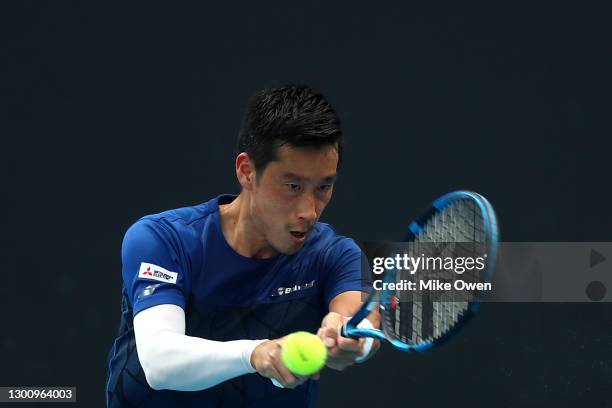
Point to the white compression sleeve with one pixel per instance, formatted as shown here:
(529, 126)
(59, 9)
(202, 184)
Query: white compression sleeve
(171, 360)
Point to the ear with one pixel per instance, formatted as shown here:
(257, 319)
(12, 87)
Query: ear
(245, 171)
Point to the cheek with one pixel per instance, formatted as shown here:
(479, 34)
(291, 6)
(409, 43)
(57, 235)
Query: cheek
(323, 201)
(320, 207)
(272, 207)
(277, 205)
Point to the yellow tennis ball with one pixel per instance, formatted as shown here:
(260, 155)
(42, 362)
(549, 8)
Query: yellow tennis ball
(303, 353)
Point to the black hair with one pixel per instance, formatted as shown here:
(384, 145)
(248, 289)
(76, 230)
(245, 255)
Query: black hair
(294, 115)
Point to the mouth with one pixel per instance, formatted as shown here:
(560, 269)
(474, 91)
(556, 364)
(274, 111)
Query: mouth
(299, 235)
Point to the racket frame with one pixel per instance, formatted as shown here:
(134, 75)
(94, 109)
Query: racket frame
(374, 300)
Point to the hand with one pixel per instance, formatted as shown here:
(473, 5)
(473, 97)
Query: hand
(341, 351)
(266, 359)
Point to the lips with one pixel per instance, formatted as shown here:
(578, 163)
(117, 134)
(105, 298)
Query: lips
(300, 233)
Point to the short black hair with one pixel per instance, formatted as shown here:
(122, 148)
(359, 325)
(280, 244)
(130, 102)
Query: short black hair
(294, 115)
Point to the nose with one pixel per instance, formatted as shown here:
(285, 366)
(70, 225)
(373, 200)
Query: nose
(307, 208)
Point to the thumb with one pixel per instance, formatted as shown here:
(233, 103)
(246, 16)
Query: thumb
(329, 335)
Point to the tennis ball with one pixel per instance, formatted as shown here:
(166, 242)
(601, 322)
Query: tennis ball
(303, 353)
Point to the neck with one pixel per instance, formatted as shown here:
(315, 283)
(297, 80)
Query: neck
(240, 229)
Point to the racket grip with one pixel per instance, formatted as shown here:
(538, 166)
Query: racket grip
(344, 332)
(275, 382)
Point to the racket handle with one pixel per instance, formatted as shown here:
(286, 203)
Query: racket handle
(343, 331)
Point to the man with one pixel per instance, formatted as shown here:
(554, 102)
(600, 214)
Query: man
(211, 290)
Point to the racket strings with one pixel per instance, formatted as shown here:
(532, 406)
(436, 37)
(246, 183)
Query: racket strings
(423, 316)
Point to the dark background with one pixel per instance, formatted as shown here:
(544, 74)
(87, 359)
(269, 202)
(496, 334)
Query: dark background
(116, 111)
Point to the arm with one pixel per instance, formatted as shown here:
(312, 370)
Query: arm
(348, 303)
(348, 276)
(171, 360)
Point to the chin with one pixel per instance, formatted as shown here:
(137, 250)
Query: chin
(290, 249)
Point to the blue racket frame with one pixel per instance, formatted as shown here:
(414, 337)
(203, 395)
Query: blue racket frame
(375, 300)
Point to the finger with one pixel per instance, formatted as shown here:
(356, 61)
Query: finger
(289, 379)
(328, 335)
(321, 333)
(335, 351)
(276, 377)
(349, 345)
(273, 372)
(330, 329)
(274, 365)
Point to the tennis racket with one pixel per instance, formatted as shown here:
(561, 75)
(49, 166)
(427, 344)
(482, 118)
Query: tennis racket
(456, 224)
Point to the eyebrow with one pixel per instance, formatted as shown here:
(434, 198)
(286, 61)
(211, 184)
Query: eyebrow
(329, 179)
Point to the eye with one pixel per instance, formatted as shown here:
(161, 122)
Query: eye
(293, 187)
(325, 187)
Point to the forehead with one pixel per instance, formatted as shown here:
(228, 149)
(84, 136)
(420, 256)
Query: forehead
(305, 161)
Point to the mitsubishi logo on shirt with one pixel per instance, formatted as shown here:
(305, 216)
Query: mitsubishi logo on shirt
(295, 288)
(156, 272)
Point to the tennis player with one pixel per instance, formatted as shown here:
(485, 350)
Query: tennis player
(210, 291)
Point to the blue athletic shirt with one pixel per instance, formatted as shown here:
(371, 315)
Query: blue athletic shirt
(181, 257)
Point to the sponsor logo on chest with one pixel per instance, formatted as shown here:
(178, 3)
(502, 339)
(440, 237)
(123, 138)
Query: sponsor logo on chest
(295, 288)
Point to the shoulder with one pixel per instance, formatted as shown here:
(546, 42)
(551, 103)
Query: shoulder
(177, 226)
(183, 217)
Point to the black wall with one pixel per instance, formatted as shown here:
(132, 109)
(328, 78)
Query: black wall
(116, 111)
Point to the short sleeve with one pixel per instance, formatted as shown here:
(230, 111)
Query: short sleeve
(153, 273)
(347, 269)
